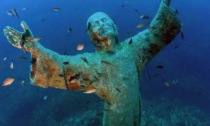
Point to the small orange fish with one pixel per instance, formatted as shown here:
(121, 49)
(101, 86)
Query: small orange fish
(73, 81)
(80, 47)
(90, 90)
(8, 81)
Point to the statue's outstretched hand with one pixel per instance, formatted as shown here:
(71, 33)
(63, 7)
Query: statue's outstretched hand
(21, 40)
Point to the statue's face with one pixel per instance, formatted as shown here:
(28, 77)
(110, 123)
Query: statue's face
(100, 29)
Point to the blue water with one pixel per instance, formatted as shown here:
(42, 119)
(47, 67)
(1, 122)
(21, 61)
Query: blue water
(189, 63)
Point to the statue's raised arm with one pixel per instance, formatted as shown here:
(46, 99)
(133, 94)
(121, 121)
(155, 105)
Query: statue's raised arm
(163, 29)
(49, 68)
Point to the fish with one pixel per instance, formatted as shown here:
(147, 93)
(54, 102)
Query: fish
(84, 59)
(10, 13)
(145, 17)
(14, 11)
(89, 25)
(45, 97)
(5, 58)
(155, 75)
(36, 39)
(66, 63)
(69, 30)
(80, 47)
(90, 90)
(140, 25)
(137, 11)
(96, 78)
(175, 82)
(176, 12)
(123, 5)
(22, 82)
(23, 9)
(130, 42)
(175, 47)
(8, 81)
(160, 66)
(23, 57)
(182, 35)
(60, 75)
(118, 90)
(73, 81)
(105, 62)
(166, 83)
(55, 9)
(11, 65)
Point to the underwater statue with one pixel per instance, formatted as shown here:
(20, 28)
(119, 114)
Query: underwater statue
(112, 72)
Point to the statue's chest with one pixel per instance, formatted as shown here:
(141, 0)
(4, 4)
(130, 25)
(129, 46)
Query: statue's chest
(116, 69)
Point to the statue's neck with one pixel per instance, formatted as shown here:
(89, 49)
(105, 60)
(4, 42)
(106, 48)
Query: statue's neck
(108, 44)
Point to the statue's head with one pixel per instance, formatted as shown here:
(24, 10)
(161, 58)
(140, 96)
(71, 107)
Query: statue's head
(102, 31)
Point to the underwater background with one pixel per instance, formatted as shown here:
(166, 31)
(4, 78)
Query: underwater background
(175, 94)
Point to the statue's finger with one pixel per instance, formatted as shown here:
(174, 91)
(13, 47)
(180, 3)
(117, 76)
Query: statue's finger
(9, 31)
(26, 28)
(12, 40)
(24, 25)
